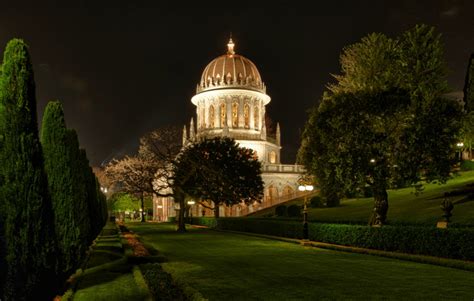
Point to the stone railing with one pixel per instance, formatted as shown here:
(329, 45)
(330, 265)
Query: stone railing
(269, 202)
(283, 168)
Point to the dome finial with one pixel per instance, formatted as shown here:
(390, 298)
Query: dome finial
(230, 46)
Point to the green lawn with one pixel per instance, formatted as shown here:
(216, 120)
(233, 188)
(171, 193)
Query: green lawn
(108, 276)
(225, 266)
(404, 205)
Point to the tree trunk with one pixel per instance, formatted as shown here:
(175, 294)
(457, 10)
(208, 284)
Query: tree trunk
(379, 214)
(216, 210)
(179, 197)
(143, 208)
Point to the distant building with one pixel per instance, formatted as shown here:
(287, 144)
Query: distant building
(230, 101)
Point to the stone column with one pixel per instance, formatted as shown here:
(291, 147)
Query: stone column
(229, 111)
(252, 108)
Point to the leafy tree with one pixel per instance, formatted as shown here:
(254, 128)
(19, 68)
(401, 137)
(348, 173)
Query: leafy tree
(122, 201)
(413, 62)
(421, 66)
(381, 132)
(65, 185)
(222, 173)
(367, 65)
(135, 174)
(150, 171)
(469, 86)
(26, 209)
(467, 131)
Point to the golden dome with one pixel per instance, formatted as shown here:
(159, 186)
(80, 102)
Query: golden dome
(231, 71)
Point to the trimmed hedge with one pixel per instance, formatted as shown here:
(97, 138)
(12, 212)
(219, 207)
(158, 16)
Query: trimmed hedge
(163, 287)
(449, 243)
(280, 210)
(293, 211)
(467, 165)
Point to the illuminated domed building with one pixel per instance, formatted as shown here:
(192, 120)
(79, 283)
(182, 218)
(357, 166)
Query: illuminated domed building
(230, 101)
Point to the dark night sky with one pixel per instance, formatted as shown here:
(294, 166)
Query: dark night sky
(122, 68)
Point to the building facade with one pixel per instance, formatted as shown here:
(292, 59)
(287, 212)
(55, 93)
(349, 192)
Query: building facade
(231, 101)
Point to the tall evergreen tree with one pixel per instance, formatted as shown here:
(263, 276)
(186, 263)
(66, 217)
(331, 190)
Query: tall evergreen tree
(27, 215)
(60, 152)
(469, 86)
(91, 203)
(81, 162)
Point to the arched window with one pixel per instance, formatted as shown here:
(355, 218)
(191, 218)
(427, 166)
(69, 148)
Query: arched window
(287, 191)
(235, 114)
(247, 116)
(272, 157)
(211, 117)
(272, 194)
(223, 115)
(202, 119)
(256, 118)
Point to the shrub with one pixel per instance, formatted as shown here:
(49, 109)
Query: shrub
(294, 211)
(367, 192)
(467, 165)
(280, 210)
(449, 243)
(204, 221)
(316, 202)
(160, 283)
(332, 200)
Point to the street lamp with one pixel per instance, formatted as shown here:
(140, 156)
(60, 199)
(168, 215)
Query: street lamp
(308, 188)
(460, 145)
(190, 204)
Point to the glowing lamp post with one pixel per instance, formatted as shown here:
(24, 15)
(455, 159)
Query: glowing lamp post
(305, 209)
(460, 145)
(190, 204)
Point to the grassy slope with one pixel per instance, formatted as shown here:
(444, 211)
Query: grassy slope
(224, 266)
(404, 205)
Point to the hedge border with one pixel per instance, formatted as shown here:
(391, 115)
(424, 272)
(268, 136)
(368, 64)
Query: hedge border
(445, 262)
(454, 243)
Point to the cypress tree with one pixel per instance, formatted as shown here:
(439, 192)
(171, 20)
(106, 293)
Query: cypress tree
(60, 151)
(90, 195)
(28, 229)
(81, 193)
(469, 86)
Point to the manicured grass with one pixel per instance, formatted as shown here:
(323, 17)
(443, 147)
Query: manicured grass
(108, 276)
(404, 205)
(225, 266)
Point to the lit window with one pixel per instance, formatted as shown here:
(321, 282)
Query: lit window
(256, 118)
(246, 116)
(235, 114)
(272, 156)
(223, 115)
(211, 117)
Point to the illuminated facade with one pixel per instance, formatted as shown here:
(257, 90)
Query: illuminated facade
(230, 101)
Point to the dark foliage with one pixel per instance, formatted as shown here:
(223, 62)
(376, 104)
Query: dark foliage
(66, 187)
(280, 210)
(469, 86)
(161, 283)
(316, 202)
(467, 165)
(220, 171)
(449, 243)
(387, 130)
(294, 210)
(26, 210)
